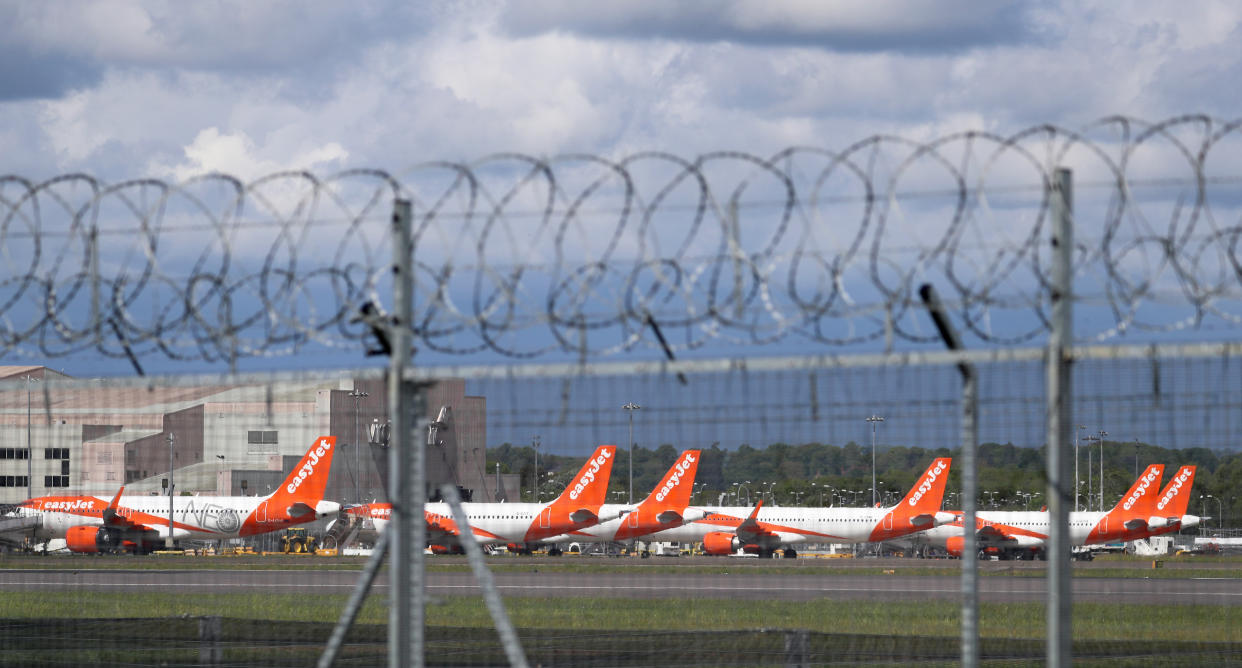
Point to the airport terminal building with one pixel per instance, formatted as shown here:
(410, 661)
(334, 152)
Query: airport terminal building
(61, 436)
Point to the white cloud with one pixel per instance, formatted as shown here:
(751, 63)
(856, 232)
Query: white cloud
(236, 154)
(288, 81)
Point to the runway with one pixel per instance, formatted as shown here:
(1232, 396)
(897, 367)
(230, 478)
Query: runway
(741, 581)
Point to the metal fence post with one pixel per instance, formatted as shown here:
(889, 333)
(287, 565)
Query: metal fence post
(210, 630)
(405, 616)
(491, 596)
(796, 643)
(1059, 623)
(969, 475)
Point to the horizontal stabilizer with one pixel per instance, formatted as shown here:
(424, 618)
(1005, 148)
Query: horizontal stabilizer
(582, 515)
(298, 509)
(923, 519)
(668, 517)
(1135, 524)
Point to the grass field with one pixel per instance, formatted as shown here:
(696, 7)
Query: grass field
(1092, 621)
(156, 629)
(148, 628)
(1111, 566)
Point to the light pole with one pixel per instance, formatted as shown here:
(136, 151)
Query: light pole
(873, 420)
(1090, 467)
(1102, 435)
(535, 444)
(168, 540)
(631, 407)
(1077, 482)
(1220, 508)
(356, 394)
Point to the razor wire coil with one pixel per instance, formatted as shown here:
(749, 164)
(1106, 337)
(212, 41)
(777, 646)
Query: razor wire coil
(579, 254)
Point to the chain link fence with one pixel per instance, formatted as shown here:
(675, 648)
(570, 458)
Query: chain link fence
(759, 308)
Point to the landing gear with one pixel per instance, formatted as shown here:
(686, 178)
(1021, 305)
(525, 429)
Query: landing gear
(554, 551)
(790, 553)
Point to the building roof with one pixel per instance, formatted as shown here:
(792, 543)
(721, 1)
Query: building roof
(124, 436)
(16, 372)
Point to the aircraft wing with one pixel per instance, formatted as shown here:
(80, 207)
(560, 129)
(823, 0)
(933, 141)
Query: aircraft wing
(997, 535)
(751, 530)
(112, 517)
(440, 529)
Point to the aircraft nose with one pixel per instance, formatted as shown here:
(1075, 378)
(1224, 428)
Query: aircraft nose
(943, 517)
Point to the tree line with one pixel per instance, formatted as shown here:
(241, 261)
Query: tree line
(815, 474)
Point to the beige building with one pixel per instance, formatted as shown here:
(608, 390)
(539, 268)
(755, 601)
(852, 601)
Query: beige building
(92, 436)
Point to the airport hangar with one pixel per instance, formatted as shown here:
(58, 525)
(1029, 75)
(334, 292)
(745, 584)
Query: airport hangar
(91, 438)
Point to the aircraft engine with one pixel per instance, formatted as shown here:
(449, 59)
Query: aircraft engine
(719, 542)
(91, 539)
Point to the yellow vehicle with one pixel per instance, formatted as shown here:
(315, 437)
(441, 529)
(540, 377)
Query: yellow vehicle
(296, 541)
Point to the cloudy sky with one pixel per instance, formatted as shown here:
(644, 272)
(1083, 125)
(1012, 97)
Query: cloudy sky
(124, 89)
(160, 88)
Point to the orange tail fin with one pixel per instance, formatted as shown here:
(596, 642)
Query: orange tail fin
(589, 488)
(1174, 499)
(307, 481)
(1140, 501)
(928, 493)
(674, 489)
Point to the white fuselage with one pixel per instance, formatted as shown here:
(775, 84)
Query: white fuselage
(1034, 526)
(793, 524)
(194, 517)
(504, 522)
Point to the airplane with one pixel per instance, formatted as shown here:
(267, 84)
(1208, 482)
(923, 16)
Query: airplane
(1170, 515)
(1024, 534)
(519, 526)
(665, 508)
(140, 524)
(763, 532)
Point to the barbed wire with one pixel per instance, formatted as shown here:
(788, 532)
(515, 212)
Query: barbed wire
(579, 254)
